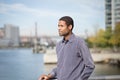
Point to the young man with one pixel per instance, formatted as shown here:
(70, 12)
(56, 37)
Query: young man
(74, 59)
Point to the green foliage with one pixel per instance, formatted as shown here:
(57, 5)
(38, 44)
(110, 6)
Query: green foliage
(108, 35)
(105, 38)
(101, 40)
(90, 44)
(116, 35)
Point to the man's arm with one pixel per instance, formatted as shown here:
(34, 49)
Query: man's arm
(88, 61)
(45, 77)
(51, 75)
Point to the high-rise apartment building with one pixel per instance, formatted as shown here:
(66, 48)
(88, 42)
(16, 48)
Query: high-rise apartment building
(112, 13)
(12, 33)
(1, 33)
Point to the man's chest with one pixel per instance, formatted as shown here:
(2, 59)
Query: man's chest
(68, 51)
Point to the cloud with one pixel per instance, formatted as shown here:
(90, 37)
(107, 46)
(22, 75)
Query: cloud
(8, 8)
(85, 10)
(86, 13)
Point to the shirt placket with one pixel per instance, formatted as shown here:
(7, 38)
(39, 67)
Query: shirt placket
(61, 58)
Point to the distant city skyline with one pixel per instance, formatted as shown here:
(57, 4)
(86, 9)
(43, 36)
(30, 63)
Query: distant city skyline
(10, 36)
(25, 13)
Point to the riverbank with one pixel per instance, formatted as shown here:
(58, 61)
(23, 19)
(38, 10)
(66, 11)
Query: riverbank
(111, 58)
(22, 63)
(101, 72)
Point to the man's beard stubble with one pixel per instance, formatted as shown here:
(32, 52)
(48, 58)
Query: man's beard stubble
(65, 34)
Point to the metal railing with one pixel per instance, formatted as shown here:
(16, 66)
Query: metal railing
(110, 77)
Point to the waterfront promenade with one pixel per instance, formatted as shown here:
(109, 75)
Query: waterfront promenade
(50, 57)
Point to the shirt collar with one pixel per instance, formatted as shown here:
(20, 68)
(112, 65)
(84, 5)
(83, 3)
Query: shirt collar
(70, 39)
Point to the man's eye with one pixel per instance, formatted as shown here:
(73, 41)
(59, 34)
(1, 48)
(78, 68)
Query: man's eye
(60, 26)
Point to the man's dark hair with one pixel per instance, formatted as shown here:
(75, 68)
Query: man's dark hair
(68, 20)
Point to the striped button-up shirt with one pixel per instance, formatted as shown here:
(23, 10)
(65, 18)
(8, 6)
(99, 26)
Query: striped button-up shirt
(74, 60)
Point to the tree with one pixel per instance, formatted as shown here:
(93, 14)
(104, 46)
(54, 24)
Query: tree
(115, 39)
(101, 40)
(108, 35)
(106, 38)
(91, 41)
(116, 34)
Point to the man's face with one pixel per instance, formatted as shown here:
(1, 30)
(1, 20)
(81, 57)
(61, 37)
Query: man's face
(63, 29)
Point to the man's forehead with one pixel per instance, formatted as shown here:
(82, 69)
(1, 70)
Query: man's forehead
(61, 21)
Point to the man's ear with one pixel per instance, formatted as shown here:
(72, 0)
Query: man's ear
(70, 27)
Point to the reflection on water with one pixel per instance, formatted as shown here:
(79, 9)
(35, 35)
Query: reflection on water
(22, 64)
(106, 69)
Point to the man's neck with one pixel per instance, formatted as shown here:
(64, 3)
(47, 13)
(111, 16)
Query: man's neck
(67, 37)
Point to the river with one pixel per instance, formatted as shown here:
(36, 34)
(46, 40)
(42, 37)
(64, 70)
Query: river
(22, 64)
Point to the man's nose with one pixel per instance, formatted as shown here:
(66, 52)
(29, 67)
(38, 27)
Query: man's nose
(59, 28)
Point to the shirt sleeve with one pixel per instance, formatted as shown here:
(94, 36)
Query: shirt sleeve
(53, 73)
(88, 61)
(54, 70)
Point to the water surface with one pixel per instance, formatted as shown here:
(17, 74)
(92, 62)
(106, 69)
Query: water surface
(20, 64)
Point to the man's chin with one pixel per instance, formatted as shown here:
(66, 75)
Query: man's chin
(60, 35)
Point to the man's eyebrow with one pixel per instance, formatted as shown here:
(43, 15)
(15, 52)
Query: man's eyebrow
(59, 25)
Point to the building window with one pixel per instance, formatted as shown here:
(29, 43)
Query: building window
(108, 14)
(108, 6)
(117, 0)
(108, 0)
(117, 4)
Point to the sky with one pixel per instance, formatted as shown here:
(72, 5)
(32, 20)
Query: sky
(87, 15)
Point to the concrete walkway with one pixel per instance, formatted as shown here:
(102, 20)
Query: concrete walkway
(50, 56)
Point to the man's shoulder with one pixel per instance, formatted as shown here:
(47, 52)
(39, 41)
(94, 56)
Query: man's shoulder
(79, 39)
(59, 42)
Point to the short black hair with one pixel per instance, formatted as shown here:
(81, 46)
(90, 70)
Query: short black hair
(68, 20)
